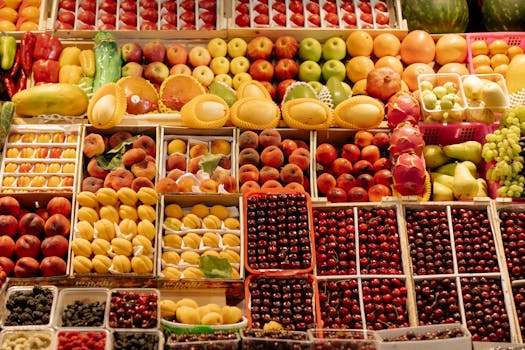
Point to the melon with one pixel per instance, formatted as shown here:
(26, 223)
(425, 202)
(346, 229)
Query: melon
(437, 16)
(503, 15)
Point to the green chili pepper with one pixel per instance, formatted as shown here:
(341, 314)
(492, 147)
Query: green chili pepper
(8, 51)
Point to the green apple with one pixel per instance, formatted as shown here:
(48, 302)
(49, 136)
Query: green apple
(309, 71)
(239, 64)
(240, 78)
(237, 47)
(218, 47)
(310, 49)
(334, 48)
(220, 65)
(225, 78)
(316, 85)
(333, 68)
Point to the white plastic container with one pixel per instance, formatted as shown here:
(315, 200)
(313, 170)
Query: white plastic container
(68, 296)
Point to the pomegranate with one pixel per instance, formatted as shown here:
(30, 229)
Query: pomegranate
(402, 107)
(409, 175)
(406, 138)
(382, 83)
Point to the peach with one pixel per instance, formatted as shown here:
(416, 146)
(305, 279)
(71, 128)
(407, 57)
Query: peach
(167, 185)
(220, 147)
(39, 168)
(9, 225)
(28, 137)
(43, 213)
(176, 146)
(208, 186)
(133, 156)
(248, 139)
(55, 245)
(69, 153)
(229, 183)
(94, 169)
(341, 166)
(12, 152)
(336, 195)
(383, 177)
(53, 168)
(7, 265)
(93, 145)
(186, 184)
(57, 224)
(300, 157)
(59, 205)
(38, 181)
(145, 168)
(301, 144)
(91, 184)
(175, 174)
(225, 162)
(193, 165)
(23, 212)
(268, 173)
(249, 156)
(31, 224)
(53, 266)
(325, 154)
(269, 137)
(41, 152)
(249, 186)
(25, 181)
(68, 168)
(55, 152)
(9, 206)
(248, 172)
(140, 182)
(295, 186)
(26, 267)
(67, 181)
(147, 144)
(325, 182)
(345, 181)
(370, 153)
(59, 137)
(27, 152)
(7, 246)
(119, 178)
(27, 245)
(271, 184)
(272, 156)
(12, 167)
(219, 174)
(365, 180)
(118, 137)
(176, 161)
(288, 146)
(53, 181)
(291, 173)
(198, 149)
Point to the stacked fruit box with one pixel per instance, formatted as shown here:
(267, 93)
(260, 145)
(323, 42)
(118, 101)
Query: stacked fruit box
(458, 269)
(364, 280)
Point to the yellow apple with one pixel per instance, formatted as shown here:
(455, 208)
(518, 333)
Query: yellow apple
(237, 47)
(203, 74)
(180, 68)
(240, 78)
(199, 56)
(224, 78)
(239, 64)
(220, 65)
(176, 145)
(217, 47)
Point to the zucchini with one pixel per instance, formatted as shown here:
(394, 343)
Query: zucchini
(107, 60)
(6, 116)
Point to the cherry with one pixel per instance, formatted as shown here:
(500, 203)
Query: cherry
(384, 302)
(437, 301)
(130, 309)
(512, 225)
(519, 302)
(339, 304)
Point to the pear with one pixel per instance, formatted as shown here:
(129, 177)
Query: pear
(443, 179)
(434, 156)
(483, 188)
(468, 150)
(465, 186)
(494, 97)
(223, 91)
(441, 192)
(448, 169)
(300, 90)
(472, 86)
(337, 90)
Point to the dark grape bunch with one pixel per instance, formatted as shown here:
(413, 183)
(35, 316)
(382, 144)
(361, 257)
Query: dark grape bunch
(286, 300)
(473, 240)
(83, 314)
(29, 307)
(429, 240)
(335, 248)
(512, 226)
(129, 309)
(222, 340)
(519, 302)
(448, 333)
(437, 301)
(485, 312)
(339, 304)
(384, 303)
(379, 247)
(275, 339)
(278, 234)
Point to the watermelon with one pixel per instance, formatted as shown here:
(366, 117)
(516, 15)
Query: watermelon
(503, 15)
(437, 16)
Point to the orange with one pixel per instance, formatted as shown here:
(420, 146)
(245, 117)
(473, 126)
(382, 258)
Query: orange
(411, 73)
(483, 70)
(513, 51)
(498, 46)
(451, 48)
(359, 43)
(386, 44)
(498, 59)
(6, 26)
(481, 60)
(417, 47)
(479, 47)
(8, 14)
(358, 68)
(31, 13)
(501, 69)
(454, 67)
(390, 61)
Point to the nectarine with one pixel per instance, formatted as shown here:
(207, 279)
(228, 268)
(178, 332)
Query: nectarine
(59, 205)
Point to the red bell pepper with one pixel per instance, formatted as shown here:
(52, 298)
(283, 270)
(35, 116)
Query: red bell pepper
(27, 46)
(9, 84)
(21, 83)
(47, 47)
(45, 71)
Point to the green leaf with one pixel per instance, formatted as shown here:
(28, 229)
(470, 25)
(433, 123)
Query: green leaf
(209, 162)
(214, 267)
(112, 159)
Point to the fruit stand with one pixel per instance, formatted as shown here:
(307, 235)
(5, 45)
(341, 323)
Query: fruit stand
(204, 174)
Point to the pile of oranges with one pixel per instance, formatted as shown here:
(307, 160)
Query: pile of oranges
(20, 15)
(493, 57)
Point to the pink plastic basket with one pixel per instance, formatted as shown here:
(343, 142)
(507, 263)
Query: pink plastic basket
(447, 134)
(511, 38)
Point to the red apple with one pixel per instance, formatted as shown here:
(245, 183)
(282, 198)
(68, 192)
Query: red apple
(325, 154)
(282, 86)
(260, 47)
(365, 180)
(362, 167)
(262, 70)
(131, 52)
(286, 46)
(176, 54)
(286, 68)
(156, 72)
(154, 51)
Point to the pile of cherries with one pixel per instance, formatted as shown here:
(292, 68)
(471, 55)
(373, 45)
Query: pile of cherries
(384, 303)
(129, 309)
(512, 226)
(437, 301)
(339, 304)
(519, 301)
